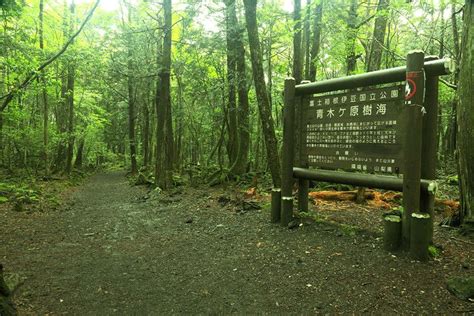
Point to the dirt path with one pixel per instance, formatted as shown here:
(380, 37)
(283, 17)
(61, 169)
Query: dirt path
(112, 251)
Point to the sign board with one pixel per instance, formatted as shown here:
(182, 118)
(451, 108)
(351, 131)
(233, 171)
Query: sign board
(356, 130)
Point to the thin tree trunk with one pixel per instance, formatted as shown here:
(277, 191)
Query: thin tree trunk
(61, 122)
(70, 98)
(378, 38)
(297, 63)
(451, 133)
(262, 96)
(44, 91)
(70, 128)
(270, 70)
(146, 132)
(316, 43)
(232, 143)
(465, 116)
(3, 89)
(457, 51)
(351, 58)
(307, 39)
(131, 97)
(179, 124)
(61, 110)
(79, 154)
(441, 150)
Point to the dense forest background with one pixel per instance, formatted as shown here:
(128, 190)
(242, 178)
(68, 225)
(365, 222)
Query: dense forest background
(173, 88)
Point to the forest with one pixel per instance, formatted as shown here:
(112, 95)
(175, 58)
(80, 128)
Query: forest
(175, 110)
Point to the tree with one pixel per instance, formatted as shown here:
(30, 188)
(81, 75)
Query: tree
(44, 92)
(131, 93)
(164, 139)
(71, 77)
(261, 90)
(231, 118)
(465, 115)
(236, 46)
(7, 98)
(316, 43)
(297, 62)
(377, 44)
(351, 57)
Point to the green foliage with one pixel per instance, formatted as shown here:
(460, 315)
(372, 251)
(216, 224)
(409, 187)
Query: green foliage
(453, 179)
(433, 251)
(18, 194)
(348, 230)
(199, 86)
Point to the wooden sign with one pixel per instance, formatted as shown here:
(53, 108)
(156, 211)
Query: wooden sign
(356, 131)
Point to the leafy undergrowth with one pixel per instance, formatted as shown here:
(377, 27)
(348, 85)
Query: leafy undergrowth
(36, 194)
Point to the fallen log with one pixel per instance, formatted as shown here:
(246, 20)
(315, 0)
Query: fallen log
(340, 196)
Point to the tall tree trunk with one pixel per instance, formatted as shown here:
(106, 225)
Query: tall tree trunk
(164, 159)
(316, 43)
(131, 97)
(441, 150)
(2, 145)
(262, 96)
(451, 133)
(3, 91)
(179, 124)
(79, 154)
(351, 58)
(61, 117)
(146, 132)
(232, 143)
(70, 98)
(378, 38)
(61, 109)
(457, 50)
(465, 115)
(307, 39)
(297, 62)
(269, 51)
(70, 120)
(234, 30)
(44, 92)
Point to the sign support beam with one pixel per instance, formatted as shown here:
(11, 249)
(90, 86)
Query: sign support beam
(288, 153)
(414, 100)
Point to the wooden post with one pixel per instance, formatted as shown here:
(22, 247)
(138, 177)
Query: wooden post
(303, 184)
(414, 95)
(419, 239)
(276, 205)
(392, 232)
(430, 144)
(287, 210)
(297, 132)
(303, 190)
(288, 152)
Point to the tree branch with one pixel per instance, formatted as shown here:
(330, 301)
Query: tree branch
(367, 20)
(449, 84)
(34, 74)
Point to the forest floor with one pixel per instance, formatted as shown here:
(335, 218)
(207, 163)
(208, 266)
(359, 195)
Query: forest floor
(120, 249)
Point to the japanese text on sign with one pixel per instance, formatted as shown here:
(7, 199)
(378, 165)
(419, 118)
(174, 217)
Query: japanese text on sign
(355, 131)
